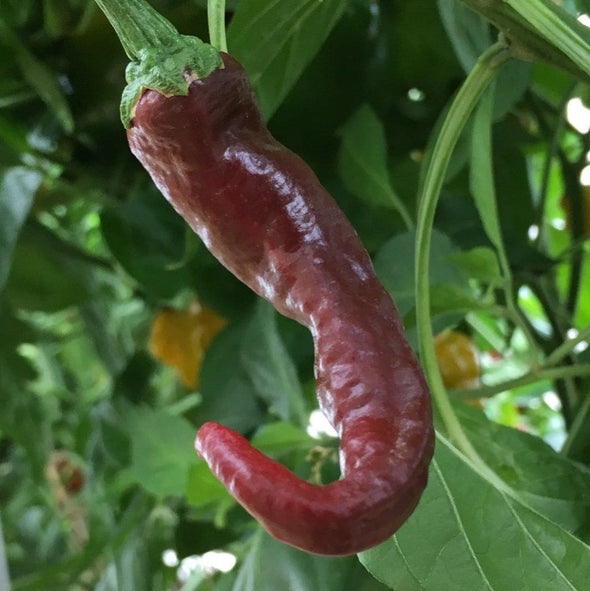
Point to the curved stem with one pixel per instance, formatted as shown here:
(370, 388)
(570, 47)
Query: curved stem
(463, 105)
(216, 22)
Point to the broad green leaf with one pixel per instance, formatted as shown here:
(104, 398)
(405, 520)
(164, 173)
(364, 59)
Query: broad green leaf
(468, 534)
(513, 81)
(203, 488)
(275, 40)
(269, 366)
(468, 31)
(162, 450)
(479, 263)
(394, 265)
(551, 83)
(270, 565)
(362, 161)
(229, 396)
(554, 485)
(43, 279)
(147, 238)
(470, 36)
(450, 297)
(280, 437)
(17, 191)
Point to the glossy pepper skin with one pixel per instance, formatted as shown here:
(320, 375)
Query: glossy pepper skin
(263, 213)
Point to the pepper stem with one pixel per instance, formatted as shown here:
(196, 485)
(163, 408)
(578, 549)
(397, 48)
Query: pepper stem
(161, 58)
(138, 25)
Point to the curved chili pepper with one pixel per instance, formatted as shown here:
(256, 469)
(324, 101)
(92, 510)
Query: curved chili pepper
(263, 213)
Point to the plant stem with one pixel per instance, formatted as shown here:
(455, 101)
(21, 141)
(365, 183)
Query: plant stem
(463, 105)
(161, 58)
(538, 33)
(567, 347)
(138, 26)
(576, 443)
(557, 26)
(216, 22)
(549, 374)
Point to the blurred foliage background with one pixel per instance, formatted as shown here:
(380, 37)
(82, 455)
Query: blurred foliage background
(120, 334)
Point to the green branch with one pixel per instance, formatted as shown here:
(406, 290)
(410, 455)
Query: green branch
(549, 374)
(436, 165)
(216, 22)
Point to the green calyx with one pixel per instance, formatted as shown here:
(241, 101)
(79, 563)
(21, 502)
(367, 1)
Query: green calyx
(161, 58)
(167, 70)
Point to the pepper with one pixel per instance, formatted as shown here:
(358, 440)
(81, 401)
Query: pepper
(458, 360)
(263, 213)
(179, 338)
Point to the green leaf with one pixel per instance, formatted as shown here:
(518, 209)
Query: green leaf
(524, 462)
(279, 437)
(162, 450)
(394, 266)
(147, 238)
(479, 263)
(467, 534)
(40, 77)
(41, 279)
(203, 488)
(17, 191)
(468, 31)
(270, 367)
(270, 566)
(362, 162)
(513, 81)
(229, 396)
(275, 41)
(450, 297)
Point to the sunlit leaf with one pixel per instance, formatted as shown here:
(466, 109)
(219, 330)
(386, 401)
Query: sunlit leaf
(484, 538)
(553, 484)
(202, 487)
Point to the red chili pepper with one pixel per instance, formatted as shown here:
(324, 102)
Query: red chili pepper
(263, 213)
